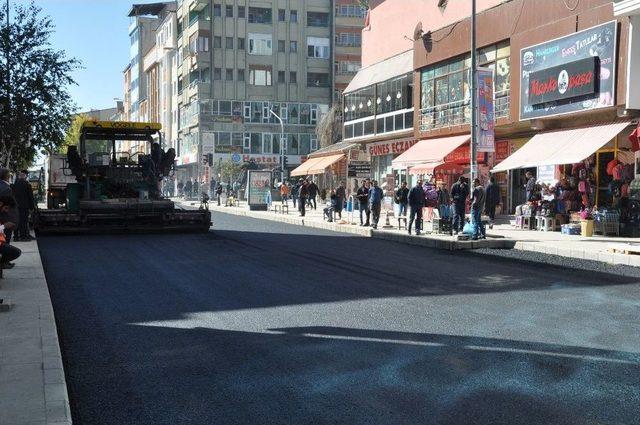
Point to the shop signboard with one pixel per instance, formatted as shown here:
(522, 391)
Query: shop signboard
(485, 126)
(258, 185)
(391, 147)
(569, 74)
(546, 174)
(359, 169)
(503, 150)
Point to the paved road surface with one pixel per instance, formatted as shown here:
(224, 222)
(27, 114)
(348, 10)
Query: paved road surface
(262, 322)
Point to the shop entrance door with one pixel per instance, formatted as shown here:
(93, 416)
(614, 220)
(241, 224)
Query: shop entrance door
(518, 182)
(603, 197)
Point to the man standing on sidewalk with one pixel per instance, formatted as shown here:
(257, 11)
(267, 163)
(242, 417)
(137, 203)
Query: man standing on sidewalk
(341, 195)
(23, 194)
(375, 202)
(417, 201)
(477, 206)
(493, 200)
(402, 199)
(363, 200)
(459, 194)
(294, 194)
(303, 194)
(313, 193)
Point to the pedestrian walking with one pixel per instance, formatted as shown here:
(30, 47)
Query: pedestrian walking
(303, 194)
(375, 203)
(492, 201)
(363, 200)
(477, 206)
(402, 199)
(313, 193)
(180, 188)
(219, 192)
(341, 196)
(444, 201)
(294, 193)
(213, 185)
(284, 192)
(188, 186)
(459, 194)
(417, 201)
(23, 194)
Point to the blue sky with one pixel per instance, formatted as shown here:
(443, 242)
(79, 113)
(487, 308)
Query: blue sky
(94, 31)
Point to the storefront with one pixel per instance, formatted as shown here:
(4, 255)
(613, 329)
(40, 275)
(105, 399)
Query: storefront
(382, 156)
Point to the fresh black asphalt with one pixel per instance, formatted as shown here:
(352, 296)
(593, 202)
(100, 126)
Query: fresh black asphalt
(260, 322)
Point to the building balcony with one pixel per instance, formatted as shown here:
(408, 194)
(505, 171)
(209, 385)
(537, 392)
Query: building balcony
(198, 5)
(198, 89)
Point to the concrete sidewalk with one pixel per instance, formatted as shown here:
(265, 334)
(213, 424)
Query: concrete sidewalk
(32, 381)
(503, 236)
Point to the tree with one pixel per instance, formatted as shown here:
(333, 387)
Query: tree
(36, 107)
(228, 170)
(329, 129)
(72, 135)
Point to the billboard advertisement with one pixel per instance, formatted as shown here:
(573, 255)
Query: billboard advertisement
(258, 186)
(569, 74)
(486, 121)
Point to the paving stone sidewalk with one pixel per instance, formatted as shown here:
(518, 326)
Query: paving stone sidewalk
(32, 381)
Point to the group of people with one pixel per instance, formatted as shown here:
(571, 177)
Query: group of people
(16, 203)
(303, 193)
(451, 205)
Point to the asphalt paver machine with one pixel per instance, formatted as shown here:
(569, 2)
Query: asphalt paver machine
(116, 190)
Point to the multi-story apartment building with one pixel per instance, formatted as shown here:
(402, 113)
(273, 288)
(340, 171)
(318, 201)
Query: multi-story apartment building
(239, 64)
(348, 22)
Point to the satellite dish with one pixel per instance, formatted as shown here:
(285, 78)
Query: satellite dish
(417, 32)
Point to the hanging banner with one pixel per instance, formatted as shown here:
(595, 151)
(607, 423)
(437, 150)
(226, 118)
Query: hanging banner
(486, 123)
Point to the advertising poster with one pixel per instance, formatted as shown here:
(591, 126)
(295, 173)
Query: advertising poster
(486, 121)
(569, 74)
(258, 185)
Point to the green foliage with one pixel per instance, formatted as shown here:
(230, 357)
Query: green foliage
(229, 171)
(329, 129)
(36, 107)
(72, 135)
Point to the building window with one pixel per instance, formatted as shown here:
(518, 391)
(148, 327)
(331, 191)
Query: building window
(241, 13)
(317, 19)
(318, 47)
(229, 43)
(229, 11)
(198, 44)
(260, 76)
(317, 79)
(281, 46)
(217, 42)
(349, 39)
(259, 15)
(293, 77)
(240, 43)
(293, 16)
(281, 15)
(281, 77)
(293, 46)
(241, 75)
(347, 67)
(351, 11)
(260, 44)
(229, 74)
(217, 73)
(217, 10)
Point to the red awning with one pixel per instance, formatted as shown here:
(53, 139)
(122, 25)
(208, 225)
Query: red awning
(424, 168)
(429, 151)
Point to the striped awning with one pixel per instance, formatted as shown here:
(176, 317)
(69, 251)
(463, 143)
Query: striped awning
(316, 165)
(562, 146)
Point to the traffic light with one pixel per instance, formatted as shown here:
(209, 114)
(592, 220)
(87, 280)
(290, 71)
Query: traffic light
(285, 162)
(210, 159)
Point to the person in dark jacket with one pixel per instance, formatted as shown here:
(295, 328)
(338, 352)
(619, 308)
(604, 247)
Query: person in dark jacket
(402, 198)
(363, 200)
(459, 194)
(188, 186)
(478, 200)
(23, 194)
(417, 201)
(313, 193)
(492, 194)
(530, 186)
(331, 208)
(375, 203)
(303, 194)
(8, 252)
(294, 193)
(9, 214)
(341, 195)
(219, 193)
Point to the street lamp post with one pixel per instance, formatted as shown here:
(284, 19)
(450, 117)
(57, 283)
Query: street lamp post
(281, 145)
(474, 98)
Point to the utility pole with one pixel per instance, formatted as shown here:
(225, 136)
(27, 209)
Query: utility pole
(282, 142)
(6, 109)
(474, 98)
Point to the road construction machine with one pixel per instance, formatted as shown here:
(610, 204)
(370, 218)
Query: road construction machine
(116, 190)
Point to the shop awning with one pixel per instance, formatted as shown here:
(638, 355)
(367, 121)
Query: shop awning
(424, 168)
(429, 151)
(387, 69)
(562, 146)
(316, 165)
